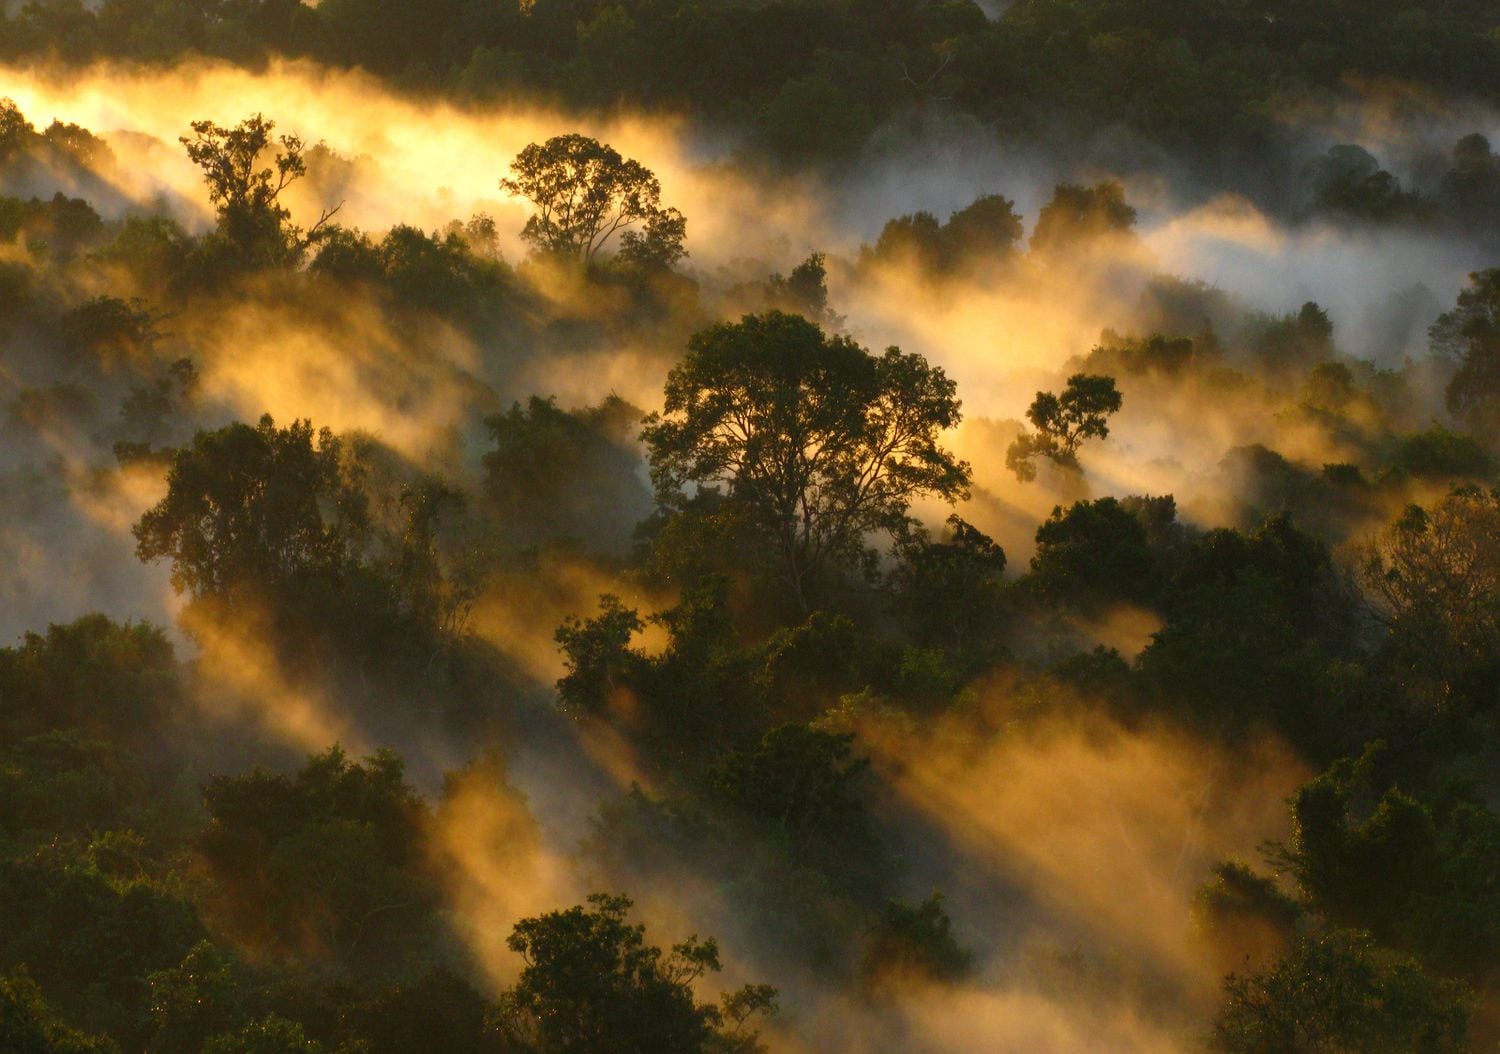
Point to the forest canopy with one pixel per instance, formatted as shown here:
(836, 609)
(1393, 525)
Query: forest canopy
(697, 527)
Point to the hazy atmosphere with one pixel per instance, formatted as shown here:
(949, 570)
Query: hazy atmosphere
(749, 527)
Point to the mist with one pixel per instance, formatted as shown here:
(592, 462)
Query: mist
(552, 668)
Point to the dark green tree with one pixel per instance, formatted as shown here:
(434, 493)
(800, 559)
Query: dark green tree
(1095, 552)
(584, 192)
(914, 942)
(821, 442)
(1338, 994)
(800, 787)
(951, 592)
(558, 473)
(1470, 334)
(253, 221)
(28, 1025)
(592, 985)
(1063, 422)
(258, 507)
(323, 867)
(1079, 216)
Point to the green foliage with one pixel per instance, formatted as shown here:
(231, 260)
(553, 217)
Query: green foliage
(986, 230)
(153, 250)
(1347, 183)
(1063, 422)
(89, 937)
(254, 225)
(16, 132)
(584, 192)
(1094, 553)
(819, 441)
(195, 1000)
(565, 473)
(95, 675)
(437, 1011)
(1470, 189)
(1412, 874)
(1338, 992)
(29, 1026)
(326, 866)
(1244, 917)
(1156, 355)
(1441, 454)
(591, 984)
(951, 592)
(915, 942)
(1471, 334)
(597, 655)
(812, 119)
(59, 227)
(1434, 578)
(698, 695)
(799, 785)
(269, 1035)
(1295, 341)
(804, 292)
(60, 783)
(1254, 624)
(110, 331)
(245, 508)
(1078, 217)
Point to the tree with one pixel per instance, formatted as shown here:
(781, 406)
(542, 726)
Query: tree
(803, 292)
(269, 1035)
(1295, 341)
(246, 506)
(914, 942)
(1063, 423)
(799, 787)
(690, 700)
(1418, 876)
(1471, 187)
(566, 473)
(987, 226)
(952, 592)
(1433, 578)
(592, 985)
(252, 220)
(1470, 333)
(1348, 183)
(821, 442)
(585, 192)
(1244, 917)
(325, 865)
(16, 132)
(1078, 215)
(198, 998)
(597, 655)
(1255, 627)
(107, 679)
(986, 229)
(1340, 994)
(29, 1026)
(1094, 552)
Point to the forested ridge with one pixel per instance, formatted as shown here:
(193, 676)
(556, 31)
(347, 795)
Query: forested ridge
(745, 527)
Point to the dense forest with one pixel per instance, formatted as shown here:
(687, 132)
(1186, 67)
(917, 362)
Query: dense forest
(734, 526)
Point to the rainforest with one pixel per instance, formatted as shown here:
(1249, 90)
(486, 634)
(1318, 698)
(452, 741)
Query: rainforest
(749, 526)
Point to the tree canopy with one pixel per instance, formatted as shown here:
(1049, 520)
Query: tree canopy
(245, 188)
(820, 441)
(1063, 422)
(591, 985)
(584, 193)
(246, 506)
